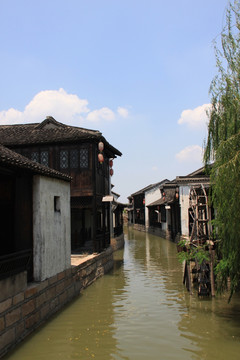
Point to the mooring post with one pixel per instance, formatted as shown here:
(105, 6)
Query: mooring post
(212, 254)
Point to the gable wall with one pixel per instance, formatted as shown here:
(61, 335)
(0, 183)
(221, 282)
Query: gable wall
(51, 227)
(150, 196)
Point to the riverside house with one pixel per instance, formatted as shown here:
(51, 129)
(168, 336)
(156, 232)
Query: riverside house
(138, 213)
(38, 274)
(82, 154)
(35, 206)
(164, 213)
(172, 215)
(196, 211)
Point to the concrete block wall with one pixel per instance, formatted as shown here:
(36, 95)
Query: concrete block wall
(23, 312)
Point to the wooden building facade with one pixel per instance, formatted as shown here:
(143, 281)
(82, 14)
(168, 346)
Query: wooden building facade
(75, 152)
(164, 213)
(22, 216)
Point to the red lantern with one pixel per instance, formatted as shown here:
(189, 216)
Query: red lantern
(111, 163)
(111, 172)
(100, 146)
(100, 158)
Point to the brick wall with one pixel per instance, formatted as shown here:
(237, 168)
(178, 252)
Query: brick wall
(24, 311)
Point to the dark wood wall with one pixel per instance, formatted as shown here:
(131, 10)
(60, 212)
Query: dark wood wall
(75, 160)
(15, 213)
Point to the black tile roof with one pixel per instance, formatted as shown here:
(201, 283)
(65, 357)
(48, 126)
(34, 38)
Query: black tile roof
(12, 160)
(47, 132)
(142, 191)
(195, 179)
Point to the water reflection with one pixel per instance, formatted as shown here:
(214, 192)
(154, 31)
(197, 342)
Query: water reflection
(140, 310)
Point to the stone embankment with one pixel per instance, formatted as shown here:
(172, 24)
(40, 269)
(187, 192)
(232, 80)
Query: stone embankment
(24, 307)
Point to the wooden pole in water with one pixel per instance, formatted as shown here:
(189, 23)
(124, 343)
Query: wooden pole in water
(185, 273)
(189, 279)
(212, 253)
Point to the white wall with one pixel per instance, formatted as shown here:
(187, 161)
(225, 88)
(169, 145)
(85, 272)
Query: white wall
(51, 228)
(184, 205)
(151, 196)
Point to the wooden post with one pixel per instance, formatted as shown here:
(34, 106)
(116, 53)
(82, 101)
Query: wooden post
(212, 253)
(189, 279)
(185, 273)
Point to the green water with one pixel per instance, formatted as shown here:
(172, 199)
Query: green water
(139, 311)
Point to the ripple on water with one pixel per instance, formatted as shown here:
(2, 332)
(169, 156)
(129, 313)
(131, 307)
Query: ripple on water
(140, 311)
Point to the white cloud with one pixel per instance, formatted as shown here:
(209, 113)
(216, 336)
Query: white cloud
(57, 103)
(64, 107)
(154, 168)
(190, 154)
(11, 116)
(123, 112)
(101, 114)
(196, 119)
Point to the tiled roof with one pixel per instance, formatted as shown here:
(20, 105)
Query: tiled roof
(192, 180)
(13, 160)
(47, 132)
(157, 202)
(149, 187)
(168, 199)
(197, 176)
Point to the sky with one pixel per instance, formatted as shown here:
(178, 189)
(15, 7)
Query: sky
(139, 71)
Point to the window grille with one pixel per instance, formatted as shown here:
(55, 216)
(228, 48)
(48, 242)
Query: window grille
(44, 158)
(83, 158)
(74, 159)
(63, 159)
(35, 156)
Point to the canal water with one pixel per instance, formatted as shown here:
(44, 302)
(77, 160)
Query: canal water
(139, 311)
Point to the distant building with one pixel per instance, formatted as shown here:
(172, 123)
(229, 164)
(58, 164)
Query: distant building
(137, 208)
(172, 215)
(117, 209)
(196, 210)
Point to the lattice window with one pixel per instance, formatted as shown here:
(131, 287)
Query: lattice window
(74, 159)
(83, 158)
(35, 156)
(44, 157)
(63, 159)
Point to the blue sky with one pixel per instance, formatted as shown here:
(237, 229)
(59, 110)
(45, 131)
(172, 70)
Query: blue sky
(137, 70)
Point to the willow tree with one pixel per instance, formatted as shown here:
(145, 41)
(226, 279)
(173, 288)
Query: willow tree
(223, 149)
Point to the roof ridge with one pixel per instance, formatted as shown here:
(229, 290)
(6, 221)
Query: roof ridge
(49, 120)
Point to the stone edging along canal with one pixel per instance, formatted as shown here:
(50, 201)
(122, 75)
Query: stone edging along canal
(25, 310)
